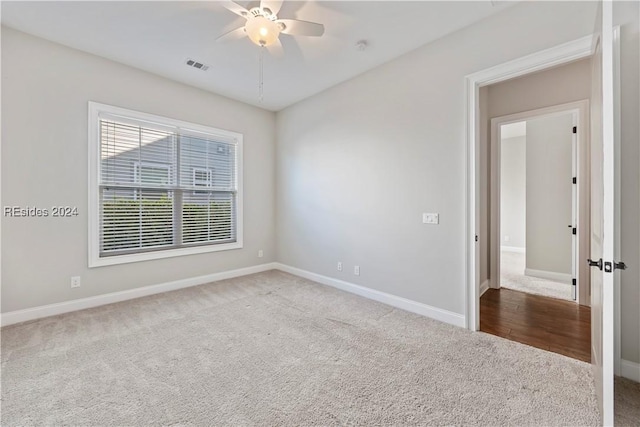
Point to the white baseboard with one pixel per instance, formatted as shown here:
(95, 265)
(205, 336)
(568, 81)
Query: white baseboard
(27, 314)
(515, 249)
(630, 370)
(484, 287)
(549, 275)
(383, 297)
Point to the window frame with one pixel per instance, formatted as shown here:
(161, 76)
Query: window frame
(95, 111)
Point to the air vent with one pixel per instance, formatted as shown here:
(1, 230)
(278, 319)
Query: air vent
(196, 64)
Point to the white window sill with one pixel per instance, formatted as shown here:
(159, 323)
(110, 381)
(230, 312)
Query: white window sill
(169, 253)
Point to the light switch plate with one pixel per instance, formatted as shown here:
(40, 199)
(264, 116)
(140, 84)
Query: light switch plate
(430, 218)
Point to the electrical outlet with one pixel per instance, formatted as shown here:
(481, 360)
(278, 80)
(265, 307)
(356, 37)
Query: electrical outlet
(260, 253)
(356, 270)
(75, 282)
(339, 265)
(506, 238)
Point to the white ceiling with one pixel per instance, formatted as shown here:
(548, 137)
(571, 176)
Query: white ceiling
(158, 36)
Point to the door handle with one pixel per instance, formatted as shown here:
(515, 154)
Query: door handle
(619, 265)
(597, 263)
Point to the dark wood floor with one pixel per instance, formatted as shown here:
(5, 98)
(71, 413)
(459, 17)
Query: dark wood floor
(551, 324)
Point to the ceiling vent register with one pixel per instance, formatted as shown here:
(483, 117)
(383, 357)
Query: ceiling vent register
(196, 64)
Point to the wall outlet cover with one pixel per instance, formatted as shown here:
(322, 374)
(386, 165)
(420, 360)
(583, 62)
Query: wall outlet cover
(75, 281)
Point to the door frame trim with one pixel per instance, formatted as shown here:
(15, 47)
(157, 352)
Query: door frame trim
(580, 112)
(561, 54)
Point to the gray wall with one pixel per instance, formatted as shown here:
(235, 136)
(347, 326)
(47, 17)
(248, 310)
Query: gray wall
(45, 90)
(513, 191)
(548, 193)
(359, 163)
(559, 85)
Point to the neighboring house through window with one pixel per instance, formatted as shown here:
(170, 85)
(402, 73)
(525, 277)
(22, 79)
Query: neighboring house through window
(202, 177)
(151, 173)
(161, 187)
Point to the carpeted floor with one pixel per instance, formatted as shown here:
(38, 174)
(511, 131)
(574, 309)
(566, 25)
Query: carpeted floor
(512, 276)
(627, 402)
(275, 349)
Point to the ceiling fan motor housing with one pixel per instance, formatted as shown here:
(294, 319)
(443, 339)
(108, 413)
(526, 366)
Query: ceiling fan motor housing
(265, 13)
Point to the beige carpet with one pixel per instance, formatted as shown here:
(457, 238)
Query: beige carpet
(512, 276)
(627, 403)
(274, 349)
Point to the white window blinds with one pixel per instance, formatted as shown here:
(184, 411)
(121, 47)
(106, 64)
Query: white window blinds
(164, 187)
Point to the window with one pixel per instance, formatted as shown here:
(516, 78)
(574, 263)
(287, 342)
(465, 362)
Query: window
(160, 187)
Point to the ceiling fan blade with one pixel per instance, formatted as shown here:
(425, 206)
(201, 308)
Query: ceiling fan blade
(301, 28)
(273, 5)
(235, 8)
(236, 34)
(275, 49)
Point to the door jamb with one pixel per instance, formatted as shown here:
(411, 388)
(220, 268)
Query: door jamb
(580, 111)
(561, 54)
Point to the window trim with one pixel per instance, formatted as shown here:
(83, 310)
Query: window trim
(95, 110)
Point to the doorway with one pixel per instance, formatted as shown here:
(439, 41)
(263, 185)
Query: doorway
(539, 187)
(604, 51)
(539, 176)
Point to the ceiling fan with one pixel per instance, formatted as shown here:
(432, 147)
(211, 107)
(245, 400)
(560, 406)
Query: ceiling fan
(263, 27)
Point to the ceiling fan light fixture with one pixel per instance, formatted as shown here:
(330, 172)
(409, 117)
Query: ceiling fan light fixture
(262, 31)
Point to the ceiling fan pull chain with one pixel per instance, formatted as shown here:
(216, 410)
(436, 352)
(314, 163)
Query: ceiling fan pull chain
(261, 75)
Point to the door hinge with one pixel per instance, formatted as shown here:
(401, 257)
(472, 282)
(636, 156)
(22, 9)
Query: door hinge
(575, 180)
(575, 129)
(574, 282)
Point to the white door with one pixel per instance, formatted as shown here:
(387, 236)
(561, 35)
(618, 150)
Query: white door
(602, 212)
